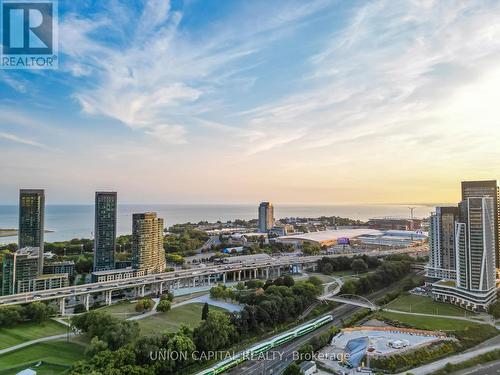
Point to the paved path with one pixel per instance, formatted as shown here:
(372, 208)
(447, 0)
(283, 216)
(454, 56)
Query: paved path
(146, 314)
(205, 298)
(28, 343)
(62, 321)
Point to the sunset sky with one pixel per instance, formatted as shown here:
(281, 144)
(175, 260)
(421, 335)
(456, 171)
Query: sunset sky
(241, 101)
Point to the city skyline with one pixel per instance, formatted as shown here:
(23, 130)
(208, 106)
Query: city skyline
(299, 108)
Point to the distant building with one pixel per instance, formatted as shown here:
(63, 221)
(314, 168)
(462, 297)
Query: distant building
(247, 259)
(118, 274)
(266, 217)
(20, 273)
(147, 243)
(442, 260)
(308, 367)
(232, 250)
(487, 188)
(388, 223)
(21, 265)
(54, 268)
(282, 230)
(31, 221)
(327, 237)
(105, 230)
(475, 246)
(43, 282)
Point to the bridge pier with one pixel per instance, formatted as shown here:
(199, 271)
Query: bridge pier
(224, 278)
(108, 297)
(62, 306)
(87, 302)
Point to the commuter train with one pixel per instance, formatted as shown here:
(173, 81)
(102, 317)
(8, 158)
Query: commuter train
(263, 347)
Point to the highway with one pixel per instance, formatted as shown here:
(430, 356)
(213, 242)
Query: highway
(173, 279)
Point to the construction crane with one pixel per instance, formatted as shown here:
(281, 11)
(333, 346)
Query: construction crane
(411, 217)
(411, 211)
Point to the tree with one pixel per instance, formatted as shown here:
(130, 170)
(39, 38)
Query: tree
(310, 249)
(10, 315)
(204, 312)
(293, 369)
(37, 311)
(315, 280)
(164, 305)
(95, 347)
(358, 265)
(215, 332)
(144, 304)
(328, 269)
(349, 287)
(288, 281)
(113, 331)
(139, 306)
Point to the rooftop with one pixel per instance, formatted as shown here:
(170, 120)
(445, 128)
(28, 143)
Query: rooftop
(331, 235)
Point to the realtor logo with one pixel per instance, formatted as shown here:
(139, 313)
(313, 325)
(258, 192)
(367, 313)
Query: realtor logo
(29, 34)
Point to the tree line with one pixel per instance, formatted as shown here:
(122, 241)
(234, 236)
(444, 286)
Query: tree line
(15, 314)
(116, 346)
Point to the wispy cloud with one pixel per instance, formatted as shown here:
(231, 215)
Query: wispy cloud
(16, 83)
(150, 78)
(21, 140)
(390, 73)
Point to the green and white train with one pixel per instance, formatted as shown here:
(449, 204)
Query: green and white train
(254, 351)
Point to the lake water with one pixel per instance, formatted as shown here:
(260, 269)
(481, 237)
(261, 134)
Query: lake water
(77, 221)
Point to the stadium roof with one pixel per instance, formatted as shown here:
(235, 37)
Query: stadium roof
(330, 235)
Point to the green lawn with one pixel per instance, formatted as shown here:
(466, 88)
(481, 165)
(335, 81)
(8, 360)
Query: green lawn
(425, 322)
(55, 357)
(189, 314)
(425, 305)
(122, 310)
(29, 331)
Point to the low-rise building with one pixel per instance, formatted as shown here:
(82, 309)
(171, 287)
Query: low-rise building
(326, 237)
(43, 282)
(53, 268)
(118, 274)
(19, 266)
(395, 223)
(308, 367)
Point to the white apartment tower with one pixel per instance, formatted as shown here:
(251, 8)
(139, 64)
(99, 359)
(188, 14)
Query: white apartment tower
(266, 217)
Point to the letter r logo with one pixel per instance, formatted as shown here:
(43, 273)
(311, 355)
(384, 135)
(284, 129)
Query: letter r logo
(27, 28)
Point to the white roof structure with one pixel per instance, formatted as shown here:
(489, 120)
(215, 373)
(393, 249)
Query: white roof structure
(27, 371)
(329, 236)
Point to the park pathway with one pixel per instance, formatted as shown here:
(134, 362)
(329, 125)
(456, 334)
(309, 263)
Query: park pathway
(36, 341)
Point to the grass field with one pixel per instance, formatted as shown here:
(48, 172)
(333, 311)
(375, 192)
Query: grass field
(122, 310)
(425, 305)
(189, 314)
(55, 358)
(29, 331)
(425, 322)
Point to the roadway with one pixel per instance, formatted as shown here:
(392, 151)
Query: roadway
(175, 277)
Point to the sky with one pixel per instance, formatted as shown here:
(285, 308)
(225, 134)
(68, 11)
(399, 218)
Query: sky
(239, 101)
